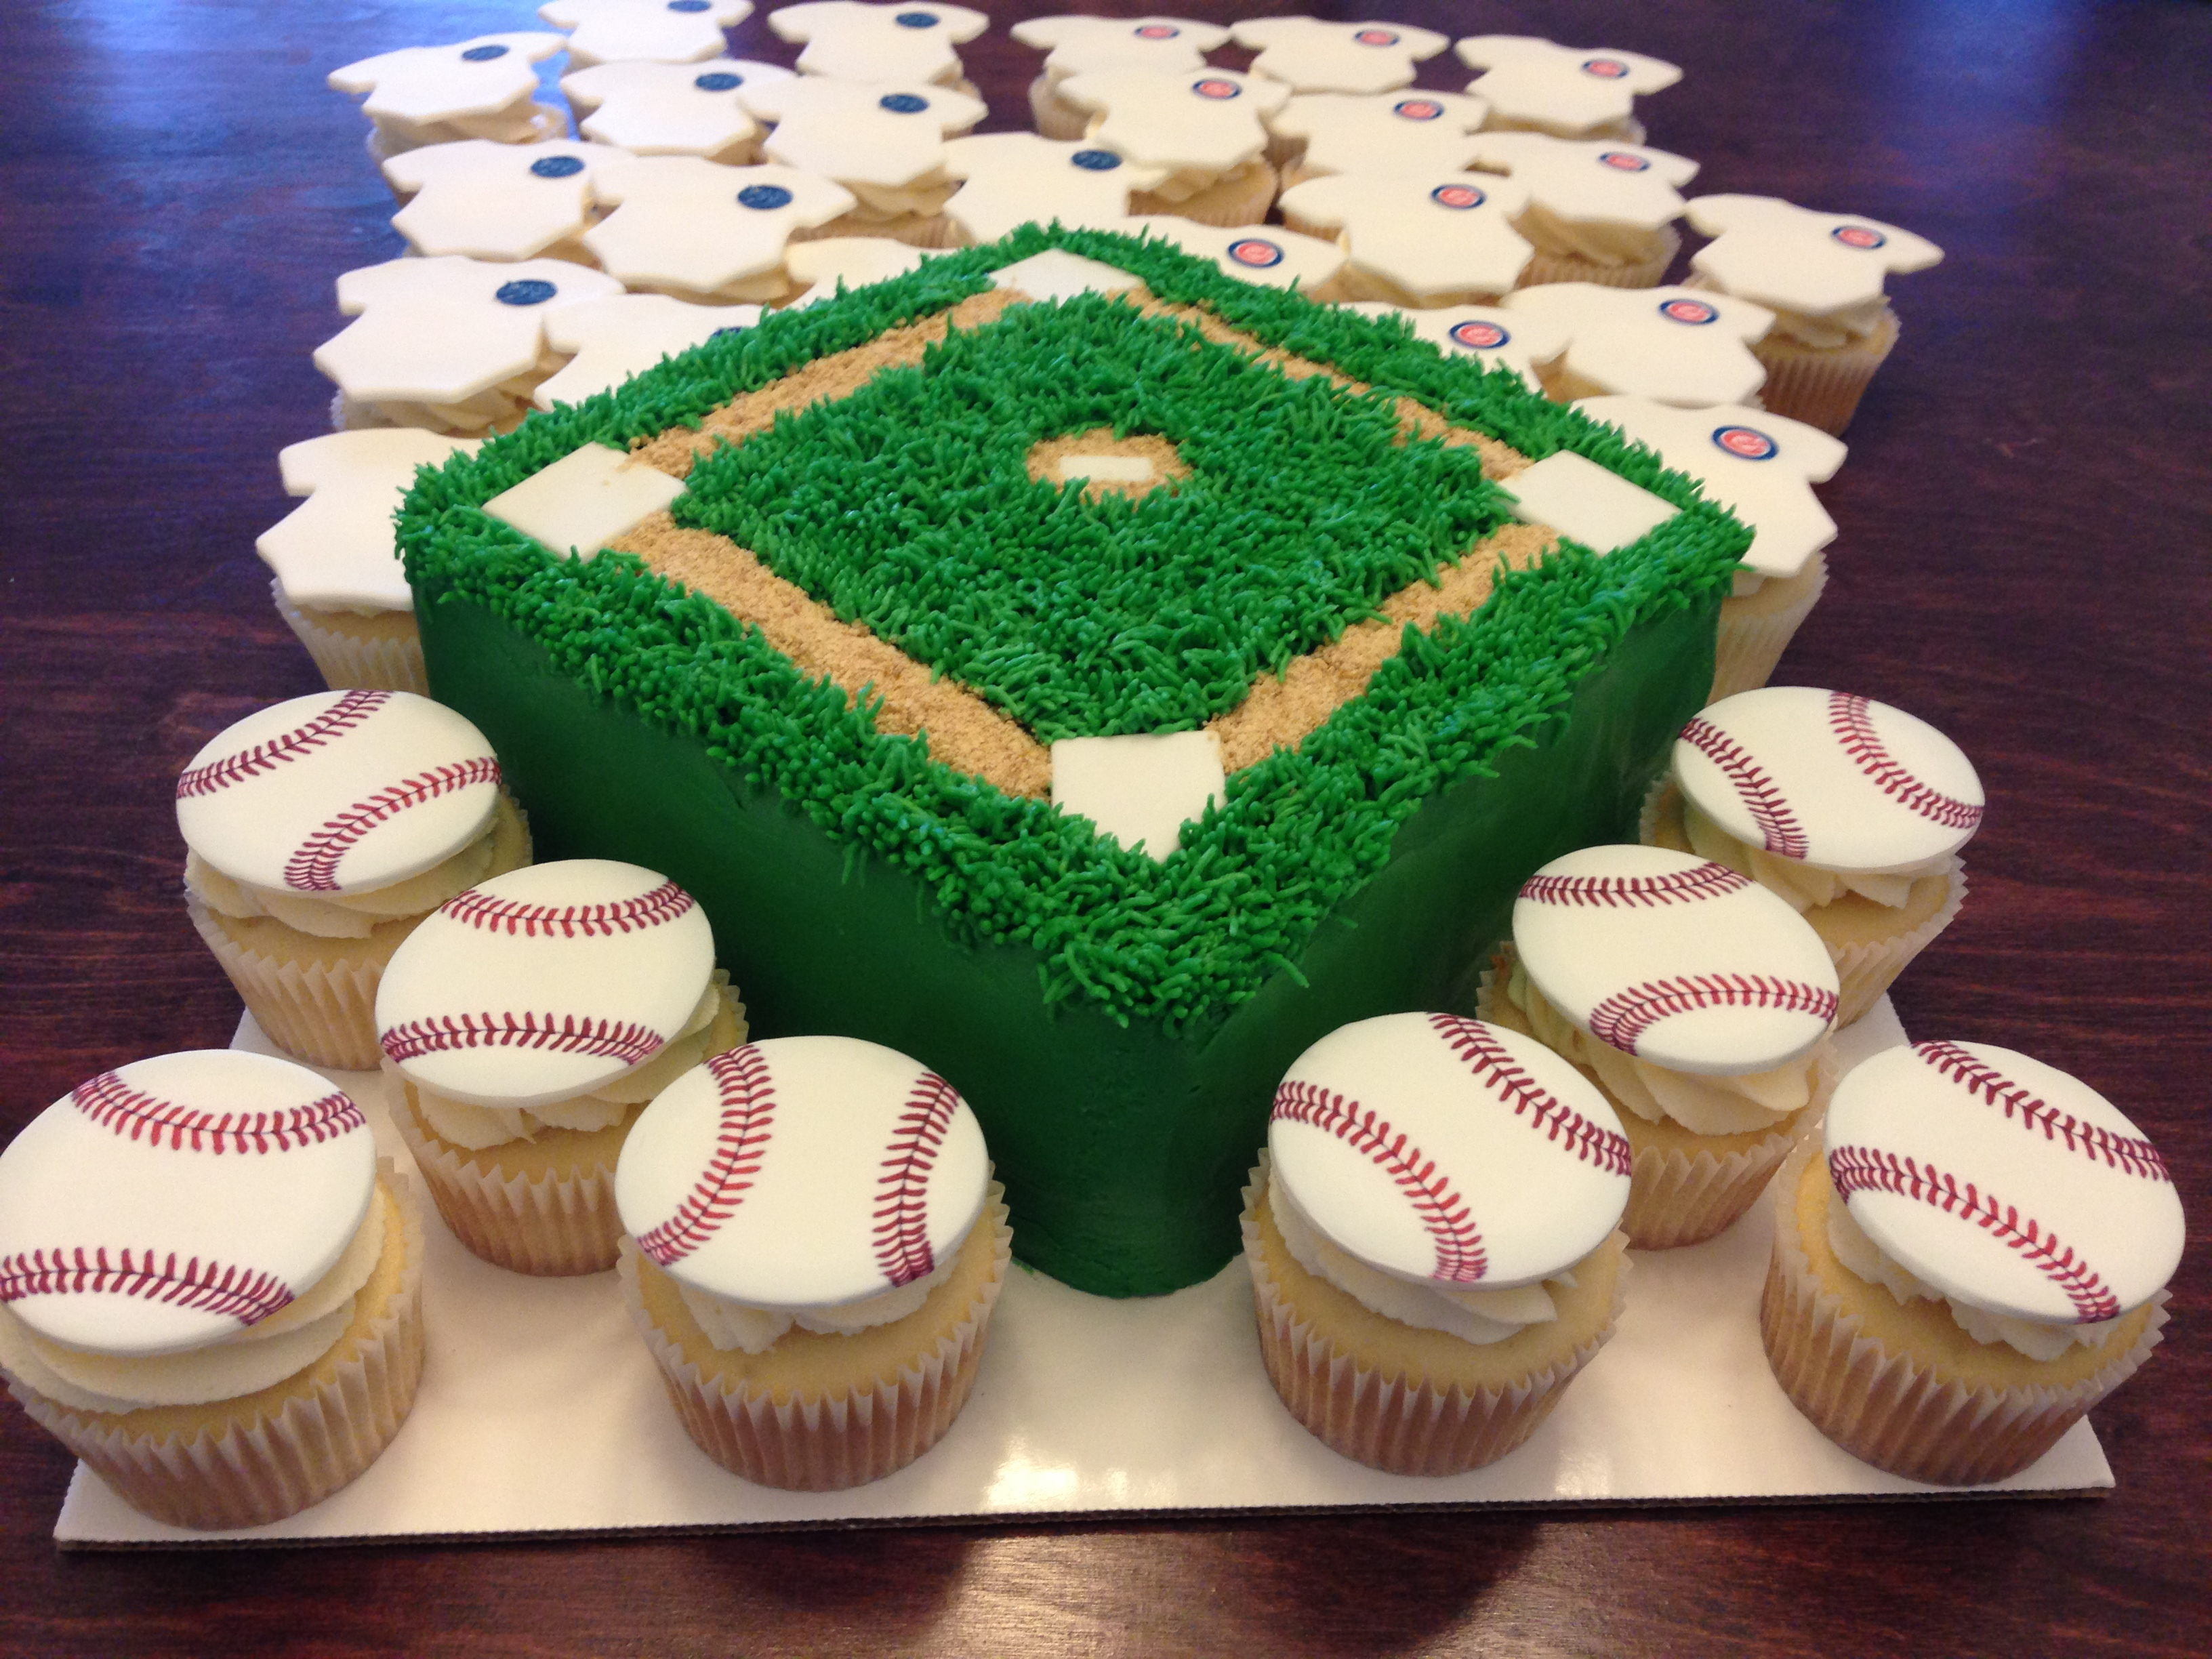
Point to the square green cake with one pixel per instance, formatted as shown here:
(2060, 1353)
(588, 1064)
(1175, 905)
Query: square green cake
(1118, 1023)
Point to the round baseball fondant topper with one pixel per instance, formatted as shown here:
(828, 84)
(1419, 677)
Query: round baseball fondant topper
(1675, 960)
(1829, 779)
(175, 1201)
(1443, 1151)
(802, 1172)
(544, 983)
(2003, 1182)
(343, 792)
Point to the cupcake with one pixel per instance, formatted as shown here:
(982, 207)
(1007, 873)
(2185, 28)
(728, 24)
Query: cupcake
(1598, 211)
(1324, 132)
(1821, 275)
(1077, 45)
(525, 1026)
(1312, 54)
(1011, 178)
(644, 31)
(820, 268)
(698, 231)
(1851, 810)
(497, 202)
(1672, 345)
(1266, 256)
(815, 1248)
(1979, 1256)
(1762, 467)
(614, 339)
(849, 40)
(672, 109)
(1493, 337)
(1417, 239)
(1431, 1239)
(883, 140)
(1696, 1001)
(337, 579)
(1204, 129)
(1569, 92)
(210, 1291)
(317, 836)
(482, 88)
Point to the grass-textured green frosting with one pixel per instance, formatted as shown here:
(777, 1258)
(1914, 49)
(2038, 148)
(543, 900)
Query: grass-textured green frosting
(1181, 942)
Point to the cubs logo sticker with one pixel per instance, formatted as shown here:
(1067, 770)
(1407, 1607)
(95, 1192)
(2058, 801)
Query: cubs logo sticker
(1457, 196)
(1215, 88)
(1690, 312)
(719, 82)
(1746, 443)
(1622, 162)
(1605, 69)
(1476, 335)
(903, 103)
(556, 167)
(1252, 250)
(1858, 236)
(1157, 32)
(763, 198)
(1095, 160)
(1376, 38)
(916, 20)
(1418, 109)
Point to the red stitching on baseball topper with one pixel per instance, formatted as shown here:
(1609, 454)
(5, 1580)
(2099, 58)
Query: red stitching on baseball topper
(1459, 1256)
(1622, 1018)
(1848, 717)
(1493, 1063)
(747, 1095)
(313, 868)
(480, 910)
(343, 715)
(1708, 880)
(1865, 1169)
(204, 1286)
(563, 1034)
(2129, 1154)
(1768, 809)
(901, 1231)
(135, 1114)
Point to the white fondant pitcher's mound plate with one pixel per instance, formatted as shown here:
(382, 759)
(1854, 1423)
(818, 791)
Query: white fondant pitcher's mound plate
(541, 1412)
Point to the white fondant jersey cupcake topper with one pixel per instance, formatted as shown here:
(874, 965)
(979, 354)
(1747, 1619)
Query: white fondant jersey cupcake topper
(441, 330)
(888, 133)
(802, 1172)
(1266, 255)
(1607, 182)
(683, 222)
(1438, 1149)
(544, 983)
(1675, 960)
(1311, 55)
(1168, 46)
(1387, 132)
(335, 550)
(1491, 336)
(2003, 1182)
(177, 1200)
(625, 334)
(671, 109)
(1427, 232)
(1683, 346)
(848, 41)
(1793, 258)
(493, 201)
(342, 792)
(419, 85)
(1567, 90)
(1760, 467)
(1829, 778)
(822, 263)
(1015, 177)
(1208, 120)
(656, 31)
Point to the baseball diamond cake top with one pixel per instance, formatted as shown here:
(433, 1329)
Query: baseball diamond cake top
(661, 30)
(671, 109)
(1675, 960)
(335, 549)
(2003, 1182)
(544, 983)
(1829, 779)
(802, 1172)
(849, 40)
(1316, 56)
(339, 793)
(1793, 258)
(1443, 1150)
(177, 1201)
(1073, 45)
(1567, 90)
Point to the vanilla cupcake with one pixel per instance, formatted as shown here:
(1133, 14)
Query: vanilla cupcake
(644, 31)
(1424, 241)
(883, 140)
(1430, 1235)
(319, 834)
(901, 40)
(525, 1026)
(498, 202)
(1075, 46)
(1979, 1257)
(1600, 211)
(698, 231)
(1011, 178)
(1569, 92)
(1205, 130)
(209, 1289)
(1850, 809)
(1323, 132)
(481, 87)
(1700, 1005)
(1674, 345)
(815, 1248)
(672, 109)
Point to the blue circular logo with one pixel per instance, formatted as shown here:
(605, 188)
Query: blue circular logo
(1691, 312)
(763, 197)
(903, 103)
(1095, 160)
(719, 82)
(1418, 109)
(687, 5)
(1858, 236)
(1476, 335)
(556, 167)
(1457, 196)
(482, 54)
(1746, 443)
(916, 20)
(528, 292)
(1252, 250)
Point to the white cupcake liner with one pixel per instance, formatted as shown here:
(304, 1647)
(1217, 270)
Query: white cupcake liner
(347, 663)
(1056, 118)
(1225, 203)
(324, 1015)
(830, 1442)
(1888, 1410)
(1753, 637)
(251, 1475)
(1821, 388)
(1575, 268)
(1356, 1413)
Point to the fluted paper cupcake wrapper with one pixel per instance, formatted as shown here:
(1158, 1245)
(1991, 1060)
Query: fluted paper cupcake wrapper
(1574, 268)
(1056, 118)
(1751, 643)
(1358, 1413)
(1887, 1411)
(828, 1443)
(554, 1227)
(1223, 203)
(346, 663)
(1821, 388)
(250, 1476)
(325, 1016)
(1867, 970)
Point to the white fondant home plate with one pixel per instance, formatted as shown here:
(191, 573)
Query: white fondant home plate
(1084, 1407)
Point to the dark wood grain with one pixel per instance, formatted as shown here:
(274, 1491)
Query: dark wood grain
(2026, 518)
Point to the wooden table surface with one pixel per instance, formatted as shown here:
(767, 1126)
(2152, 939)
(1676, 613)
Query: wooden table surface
(2026, 521)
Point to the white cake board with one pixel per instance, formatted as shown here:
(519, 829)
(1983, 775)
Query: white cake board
(540, 1411)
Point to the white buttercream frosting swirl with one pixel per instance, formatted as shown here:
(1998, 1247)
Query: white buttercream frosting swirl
(1807, 886)
(729, 1324)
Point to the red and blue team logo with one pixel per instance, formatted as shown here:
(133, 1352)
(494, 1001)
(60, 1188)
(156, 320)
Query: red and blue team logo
(1459, 197)
(1376, 38)
(1623, 161)
(1692, 311)
(1157, 32)
(1418, 109)
(1860, 236)
(1476, 335)
(1746, 443)
(1215, 88)
(1605, 69)
(1256, 252)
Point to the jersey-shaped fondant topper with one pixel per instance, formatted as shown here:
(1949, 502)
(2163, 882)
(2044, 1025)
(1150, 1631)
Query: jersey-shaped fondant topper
(1016, 177)
(1428, 238)
(1792, 259)
(879, 139)
(1487, 334)
(1264, 254)
(1604, 181)
(700, 230)
(1169, 46)
(653, 31)
(480, 87)
(334, 551)
(625, 334)
(1310, 55)
(1569, 91)
(1385, 132)
(848, 41)
(495, 201)
(1208, 121)
(672, 109)
(1674, 345)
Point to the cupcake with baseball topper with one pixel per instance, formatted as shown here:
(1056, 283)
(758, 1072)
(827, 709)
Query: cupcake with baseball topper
(1205, 129)
(1821, 275)
(901, 40)
(1599, 210)
(210, 1291)
(1569, 92)
(815, 1246)
(1432, 1236)
(1675, 346)
(524, 1027)
(319, 834)
(1699, 1002)
(1850, 809)
(672, 109)
(482, 88)
(1974, 1254)
(1423, 241)
(883, 140)
(1075, 46)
